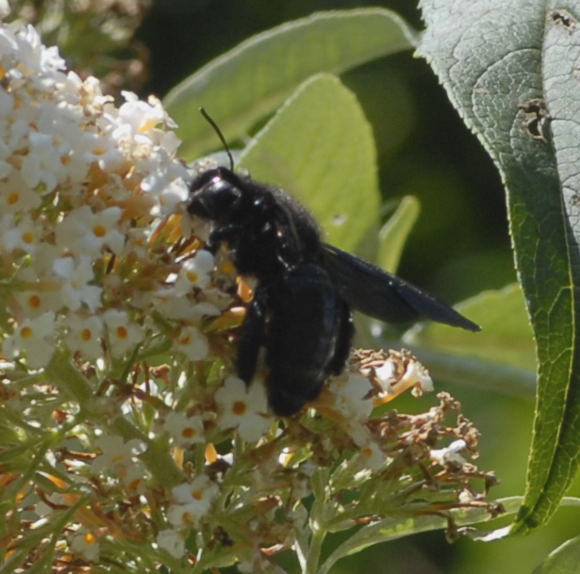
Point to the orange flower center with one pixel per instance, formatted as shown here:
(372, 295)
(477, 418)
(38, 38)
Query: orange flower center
(99, 230)
(34, 301)
(122, 332)
(239, 408)
(26, 332)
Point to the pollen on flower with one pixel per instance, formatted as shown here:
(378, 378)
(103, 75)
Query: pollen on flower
(34, 301)
(244, 408)
(26, 332)
(192, 343)
(188, 517)
(239, 408)
(188, 433)
(84, 335)
(86, 545)
(195, 272)
(124, 334)
(372, 456)
(191, 501)
(33, 338)
(185, 430)
(90, 538)
(227, 267)
(99, 230)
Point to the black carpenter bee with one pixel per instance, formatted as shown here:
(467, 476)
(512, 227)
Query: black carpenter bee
(301, 309)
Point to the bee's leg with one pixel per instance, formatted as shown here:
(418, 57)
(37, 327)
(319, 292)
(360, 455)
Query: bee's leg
(343, 342)
(229, 234)
(252, 336)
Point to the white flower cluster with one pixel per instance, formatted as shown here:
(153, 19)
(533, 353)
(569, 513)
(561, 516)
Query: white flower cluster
(87, 187)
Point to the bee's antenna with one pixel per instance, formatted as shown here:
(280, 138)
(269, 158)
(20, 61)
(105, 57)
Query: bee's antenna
(220, 135)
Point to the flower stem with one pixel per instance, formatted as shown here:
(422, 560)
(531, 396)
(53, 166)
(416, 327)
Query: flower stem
(315, 549)
(317, 522)
(62, 373)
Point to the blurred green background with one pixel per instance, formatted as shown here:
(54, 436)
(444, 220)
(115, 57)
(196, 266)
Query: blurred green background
(459, 247)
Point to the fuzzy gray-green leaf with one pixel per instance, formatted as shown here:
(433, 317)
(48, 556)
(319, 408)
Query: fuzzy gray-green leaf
(510, 68)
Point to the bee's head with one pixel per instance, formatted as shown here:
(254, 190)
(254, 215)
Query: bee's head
(215, 195)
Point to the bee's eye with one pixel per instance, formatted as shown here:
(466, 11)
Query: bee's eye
(224, 195)
(216, 200)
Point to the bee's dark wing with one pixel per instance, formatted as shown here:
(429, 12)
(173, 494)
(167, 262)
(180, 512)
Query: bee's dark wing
(379, 294)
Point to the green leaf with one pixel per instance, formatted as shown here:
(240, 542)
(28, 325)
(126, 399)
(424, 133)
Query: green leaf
(254, 78)
(509, 68)
(319, 147)
(386, 530)
(480, 527)
(393, 235)
(501, 358)
(564, 560)
(399, 526)
(505, 338)
(485, 375)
